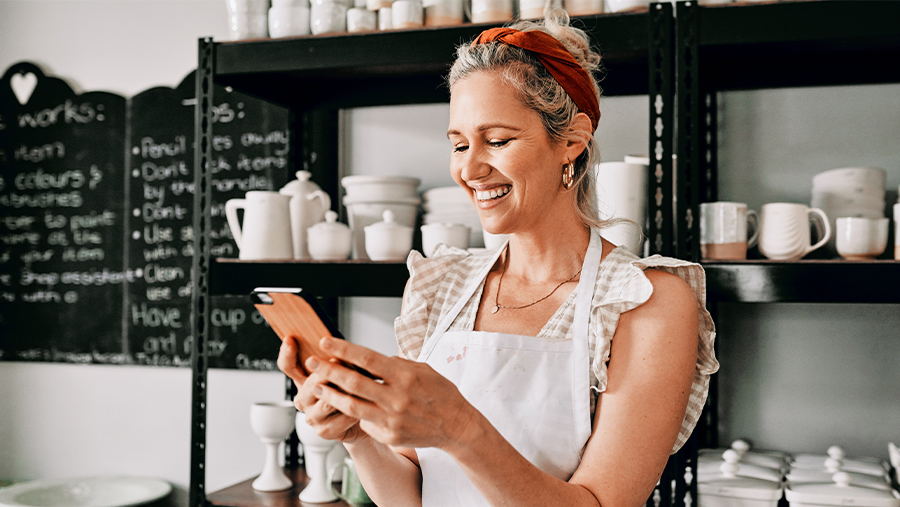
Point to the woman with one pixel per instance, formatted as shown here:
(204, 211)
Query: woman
(559, 370)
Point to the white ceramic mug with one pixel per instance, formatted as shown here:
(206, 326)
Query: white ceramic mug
(247, 19)
(897, 238)
(406, 14)
(784, 230)
(455, 235)
(266, 229)
(385, 21)
(491, 11)
(531, 9)
(723, 230)
(443, 12)
(289, 21)
(583, 7)
(861, 238)
(361, 20)
(328, 16)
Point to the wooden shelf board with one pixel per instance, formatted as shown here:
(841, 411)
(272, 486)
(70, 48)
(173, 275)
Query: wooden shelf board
(243, 494)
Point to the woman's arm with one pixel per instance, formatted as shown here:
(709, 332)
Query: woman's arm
(649, 382)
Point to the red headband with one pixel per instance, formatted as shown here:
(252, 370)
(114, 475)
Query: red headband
(557, 60)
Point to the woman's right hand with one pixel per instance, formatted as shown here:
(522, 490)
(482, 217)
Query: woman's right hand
(328, 422)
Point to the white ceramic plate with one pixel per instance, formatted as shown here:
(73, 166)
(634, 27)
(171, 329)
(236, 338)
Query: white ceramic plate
(110, 491)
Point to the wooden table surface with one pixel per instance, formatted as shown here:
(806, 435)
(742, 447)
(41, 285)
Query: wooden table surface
(243, 494)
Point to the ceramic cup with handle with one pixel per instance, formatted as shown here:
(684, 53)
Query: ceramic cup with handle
(861, 238)
(723, 230)
(266, 229)
(455, 235)
(784, 230)
(352, 490)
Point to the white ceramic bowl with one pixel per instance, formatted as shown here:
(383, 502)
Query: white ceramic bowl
(454, 194)
(363, 213)
(387, 240)
(873, 177)
(861, 238)
(380, 188)
(455, 235)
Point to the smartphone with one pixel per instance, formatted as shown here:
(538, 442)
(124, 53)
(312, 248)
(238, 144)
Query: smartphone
(295, 312)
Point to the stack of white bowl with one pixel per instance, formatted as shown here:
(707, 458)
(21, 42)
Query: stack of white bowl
(367, 198)
(849, 192)
(452, 205)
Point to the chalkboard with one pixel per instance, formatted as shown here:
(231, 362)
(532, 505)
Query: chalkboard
(250, 152)
(61, 231)
(96, 207)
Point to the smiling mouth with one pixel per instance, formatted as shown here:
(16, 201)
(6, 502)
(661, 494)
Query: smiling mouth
(494, 193)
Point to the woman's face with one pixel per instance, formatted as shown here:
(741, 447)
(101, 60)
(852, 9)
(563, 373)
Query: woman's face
(503, 156)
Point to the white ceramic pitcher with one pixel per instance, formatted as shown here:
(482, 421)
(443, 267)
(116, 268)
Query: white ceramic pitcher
(307, 208)
(266, 230)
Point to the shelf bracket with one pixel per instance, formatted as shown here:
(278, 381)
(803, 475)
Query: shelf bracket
(688, 132)
(200, 301)
(661, 90)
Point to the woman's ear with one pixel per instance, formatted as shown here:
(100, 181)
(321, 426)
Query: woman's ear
(582, 132)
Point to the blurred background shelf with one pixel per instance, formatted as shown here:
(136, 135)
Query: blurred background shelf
(814, 281)
(401, 66)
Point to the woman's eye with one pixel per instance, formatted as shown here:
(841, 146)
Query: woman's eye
(460, 148)
(500, 143)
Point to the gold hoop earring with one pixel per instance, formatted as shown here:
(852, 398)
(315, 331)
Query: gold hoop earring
(568, 176)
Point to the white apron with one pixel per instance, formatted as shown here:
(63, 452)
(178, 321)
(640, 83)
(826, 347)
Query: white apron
(534, 391)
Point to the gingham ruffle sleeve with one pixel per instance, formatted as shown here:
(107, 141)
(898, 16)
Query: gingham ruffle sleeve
(626, 287)
(427, 277)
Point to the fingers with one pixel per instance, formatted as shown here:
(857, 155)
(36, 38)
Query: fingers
(366, 358)
(338, 375)
(289, 360)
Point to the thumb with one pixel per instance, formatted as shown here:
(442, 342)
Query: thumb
(289, 360)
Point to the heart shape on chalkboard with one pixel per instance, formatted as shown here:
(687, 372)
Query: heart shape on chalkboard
(23, 86)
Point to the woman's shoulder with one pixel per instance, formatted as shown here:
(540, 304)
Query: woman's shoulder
(626, 278)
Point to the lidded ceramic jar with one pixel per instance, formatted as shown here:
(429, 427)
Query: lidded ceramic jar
(731, 488)
(388, 240)
(840, 492)
(713, 467)
(768, 459)
(329, 240)
(836, 460)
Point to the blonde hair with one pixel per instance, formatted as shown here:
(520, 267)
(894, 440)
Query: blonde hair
(542, 93)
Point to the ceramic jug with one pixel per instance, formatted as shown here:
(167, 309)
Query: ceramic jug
(307, 208)
(266, 230)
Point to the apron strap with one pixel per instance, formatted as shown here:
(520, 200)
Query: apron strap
(445, 322)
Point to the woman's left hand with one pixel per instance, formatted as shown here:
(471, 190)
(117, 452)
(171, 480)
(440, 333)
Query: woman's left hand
(410, 406)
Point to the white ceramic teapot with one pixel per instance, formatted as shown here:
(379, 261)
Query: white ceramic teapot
(266, 230)
(308, 206)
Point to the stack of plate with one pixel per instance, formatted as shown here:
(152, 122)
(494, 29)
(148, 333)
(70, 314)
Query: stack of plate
(452, 205)
(849, 192)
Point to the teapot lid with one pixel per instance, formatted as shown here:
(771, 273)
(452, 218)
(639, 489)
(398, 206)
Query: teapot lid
(301, 184)
(388, 223)
(729, 482)
(330, 223)
(841, 492)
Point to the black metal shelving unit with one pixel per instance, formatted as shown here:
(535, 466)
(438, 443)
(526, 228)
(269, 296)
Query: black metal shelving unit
(680, 56)
(759, 46)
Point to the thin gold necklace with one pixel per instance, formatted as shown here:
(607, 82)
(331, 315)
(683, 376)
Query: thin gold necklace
(498, 306)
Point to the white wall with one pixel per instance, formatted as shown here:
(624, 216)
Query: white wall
(66, 420)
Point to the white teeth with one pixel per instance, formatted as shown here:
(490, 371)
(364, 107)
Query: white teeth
(493, 193)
